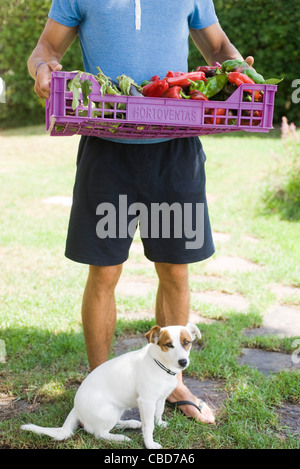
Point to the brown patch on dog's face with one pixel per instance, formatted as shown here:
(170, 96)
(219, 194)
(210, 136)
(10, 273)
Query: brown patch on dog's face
(185, 339)
(165, 342)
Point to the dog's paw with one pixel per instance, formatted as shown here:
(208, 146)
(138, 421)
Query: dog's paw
(153, 445)
(161, 423)
(133, 424)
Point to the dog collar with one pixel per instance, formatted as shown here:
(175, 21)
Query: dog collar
(164, 368)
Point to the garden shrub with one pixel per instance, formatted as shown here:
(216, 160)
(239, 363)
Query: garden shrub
(22, 23)
(268, 32)
(282, 191)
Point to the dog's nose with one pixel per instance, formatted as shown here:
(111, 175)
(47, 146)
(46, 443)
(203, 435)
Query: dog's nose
(182, 362)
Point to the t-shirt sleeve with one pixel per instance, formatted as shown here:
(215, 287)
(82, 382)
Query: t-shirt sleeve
(65, 12)
(204, 14)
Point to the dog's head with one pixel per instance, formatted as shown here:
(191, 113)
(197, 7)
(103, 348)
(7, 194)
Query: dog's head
(173, 345)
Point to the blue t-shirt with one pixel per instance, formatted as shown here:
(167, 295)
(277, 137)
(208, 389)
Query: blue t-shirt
(138, 38)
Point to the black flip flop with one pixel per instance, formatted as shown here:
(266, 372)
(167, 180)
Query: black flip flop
(178, 403)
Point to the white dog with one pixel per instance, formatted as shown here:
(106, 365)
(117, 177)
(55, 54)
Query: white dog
(143, 378)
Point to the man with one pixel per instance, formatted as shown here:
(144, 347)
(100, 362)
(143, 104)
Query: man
(139, 39)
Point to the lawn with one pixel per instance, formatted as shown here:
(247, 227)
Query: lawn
(41, 290)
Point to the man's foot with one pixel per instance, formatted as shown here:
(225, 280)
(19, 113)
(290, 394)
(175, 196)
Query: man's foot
(198, 410)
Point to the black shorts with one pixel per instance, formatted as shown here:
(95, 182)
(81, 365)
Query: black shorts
(158, 186)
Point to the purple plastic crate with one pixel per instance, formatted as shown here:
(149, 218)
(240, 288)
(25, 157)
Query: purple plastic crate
(141, 117)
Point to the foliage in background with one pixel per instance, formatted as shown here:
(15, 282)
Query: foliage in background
(266, 30)
(282, 193)
(21, 24)
(269, 31)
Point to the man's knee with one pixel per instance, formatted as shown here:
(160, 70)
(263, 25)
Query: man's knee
(174, 274)
(105, 276)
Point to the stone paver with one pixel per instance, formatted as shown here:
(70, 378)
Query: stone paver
(284, 291)
(289, 418)
(268, 362)
(281, 320)
(226, 300)
(232, 264)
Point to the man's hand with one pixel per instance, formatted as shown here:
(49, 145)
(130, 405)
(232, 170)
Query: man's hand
(51, 47)
(43, 77)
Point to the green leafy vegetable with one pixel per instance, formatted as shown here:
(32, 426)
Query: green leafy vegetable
(77, 85)
(125, 83)
(273, 81)
(86, 87)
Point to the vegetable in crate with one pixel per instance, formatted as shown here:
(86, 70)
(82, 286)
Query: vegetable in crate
(218, 112)
(212, 86)
(154, 78)
(173, 74)
(230, 65)
(215, 84)
(195, 94)
(210, 71)
(185, 79)
(256, 77)
(128, 87)
(238, 78)
(155, 89)
(197, 85)
(75, 86)
(173, 92)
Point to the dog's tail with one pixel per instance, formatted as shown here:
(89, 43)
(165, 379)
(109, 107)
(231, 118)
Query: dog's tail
(61, 433)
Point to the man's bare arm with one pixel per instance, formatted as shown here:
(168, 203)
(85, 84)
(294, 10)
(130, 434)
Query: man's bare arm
(51, 47)
(215, 46)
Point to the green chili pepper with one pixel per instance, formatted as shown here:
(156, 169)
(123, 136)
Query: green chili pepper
(197, 85)
(144, 83)
(256, 77)
(229, 65)
(214, 85)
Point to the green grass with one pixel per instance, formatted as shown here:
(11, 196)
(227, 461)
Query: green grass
(40, 295)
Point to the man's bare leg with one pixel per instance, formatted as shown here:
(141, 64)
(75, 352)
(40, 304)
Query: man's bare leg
(99, 312)
(172, 308)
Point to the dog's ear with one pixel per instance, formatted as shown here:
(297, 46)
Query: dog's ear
(193, 330)
(153, 334)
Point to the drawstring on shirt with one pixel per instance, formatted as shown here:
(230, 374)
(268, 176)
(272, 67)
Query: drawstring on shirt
(138, 14)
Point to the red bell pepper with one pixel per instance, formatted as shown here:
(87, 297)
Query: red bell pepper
(258, 115)
(185, 79)
(206, 68)
(220, 112)
(155, 78)
(238, 78)
(155, 89)
(208, 120)
(173, 92)
(195, 94)
(258, 96)
(219, 120)
(173, 74)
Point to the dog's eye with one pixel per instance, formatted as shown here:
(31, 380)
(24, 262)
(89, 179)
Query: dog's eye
(169, 345)
(186, 343)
